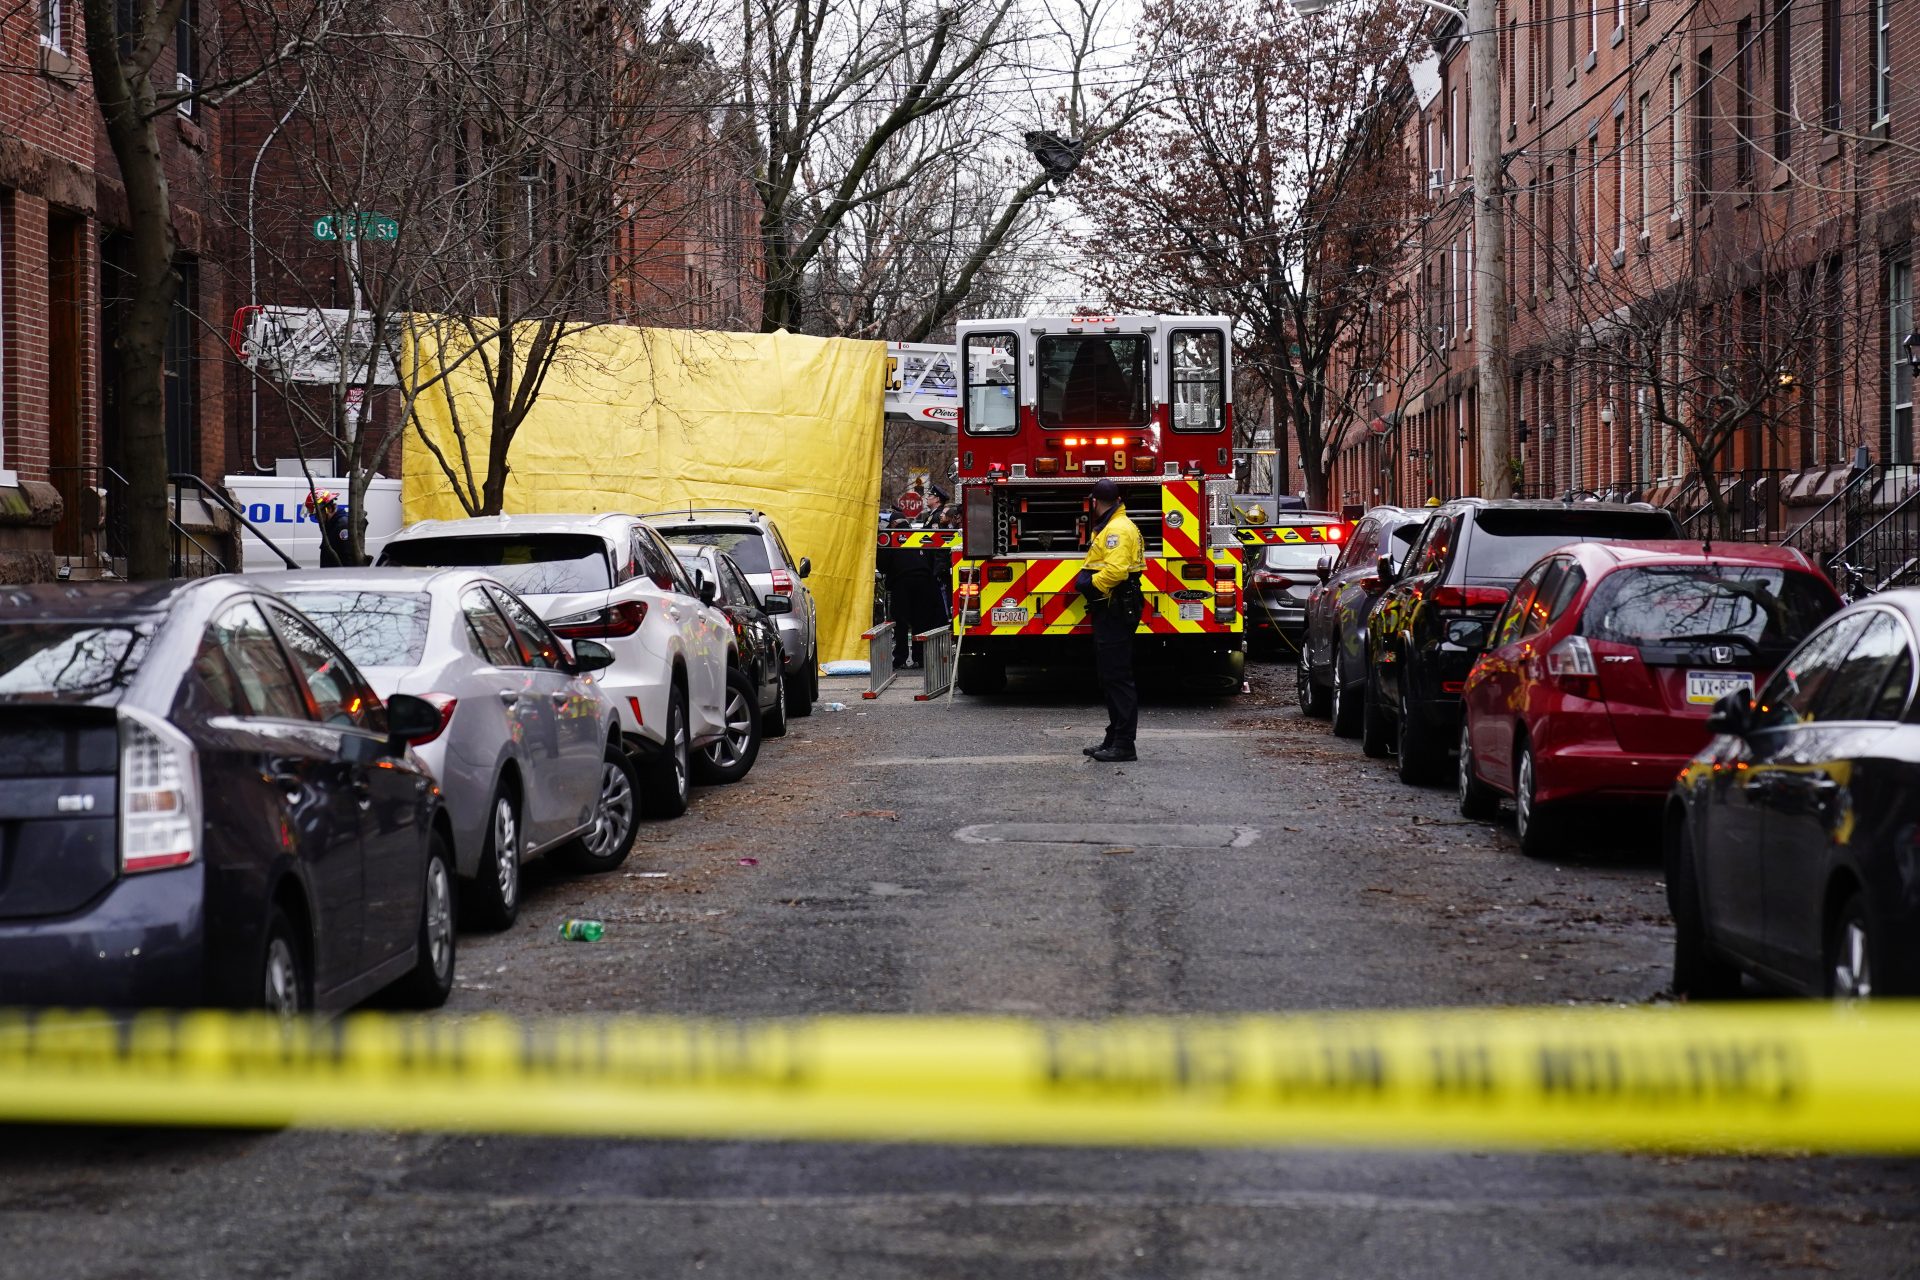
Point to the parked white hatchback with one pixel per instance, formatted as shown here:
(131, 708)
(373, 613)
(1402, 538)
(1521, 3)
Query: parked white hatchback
(611, 579)
(528, 752)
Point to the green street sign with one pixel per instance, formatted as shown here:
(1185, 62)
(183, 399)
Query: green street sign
(355, 226)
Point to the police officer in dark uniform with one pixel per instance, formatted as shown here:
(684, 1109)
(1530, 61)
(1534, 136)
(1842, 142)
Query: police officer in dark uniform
(1110, 582)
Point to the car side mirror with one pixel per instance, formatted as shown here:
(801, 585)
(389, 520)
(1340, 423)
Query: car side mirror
(709, 591)
(1324, 569)
(1467, 633)
(777, 604)
(805, 566)
(409, 720)
(591, 655)
(1732, 714)
(1383, 569)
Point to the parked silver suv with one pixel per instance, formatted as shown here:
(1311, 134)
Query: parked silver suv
(753, 540)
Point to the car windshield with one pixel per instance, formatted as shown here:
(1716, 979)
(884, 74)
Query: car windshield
(1505, 543)
(532, 564)
(1296, 555)
(376, 628)
(70, 661)
(1752, 607)
(747, 546)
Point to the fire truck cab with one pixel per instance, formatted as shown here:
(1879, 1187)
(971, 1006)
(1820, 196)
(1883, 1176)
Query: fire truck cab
(1051, 404)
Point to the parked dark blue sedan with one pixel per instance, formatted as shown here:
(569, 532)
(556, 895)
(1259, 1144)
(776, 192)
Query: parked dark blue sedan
(202, 803)
(1792, 840)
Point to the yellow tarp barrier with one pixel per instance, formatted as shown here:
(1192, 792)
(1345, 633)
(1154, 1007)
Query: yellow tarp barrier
(647, 419)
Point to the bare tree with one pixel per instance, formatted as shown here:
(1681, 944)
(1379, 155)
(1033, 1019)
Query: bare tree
(535, 163)
(1719, 362)
(1266, 186)
(131, 48)
(883, 132)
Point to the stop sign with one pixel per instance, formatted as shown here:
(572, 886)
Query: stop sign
(911, 503)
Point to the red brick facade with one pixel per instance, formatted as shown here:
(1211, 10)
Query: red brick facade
(1737, 166)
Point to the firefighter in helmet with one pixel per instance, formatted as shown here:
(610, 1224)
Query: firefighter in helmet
(1110, 583)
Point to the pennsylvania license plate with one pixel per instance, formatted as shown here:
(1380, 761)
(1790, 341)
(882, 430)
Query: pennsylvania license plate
(1009, 616)
(1711, 686)
(1193, 611)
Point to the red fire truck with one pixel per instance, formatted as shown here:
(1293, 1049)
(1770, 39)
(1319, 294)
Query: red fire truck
(1051, 404)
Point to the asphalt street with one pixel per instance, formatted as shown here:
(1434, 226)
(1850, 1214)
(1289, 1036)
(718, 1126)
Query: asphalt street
(964, 857)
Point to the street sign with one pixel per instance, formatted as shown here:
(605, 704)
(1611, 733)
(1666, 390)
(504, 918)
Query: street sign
(911, 503)
(356, 226)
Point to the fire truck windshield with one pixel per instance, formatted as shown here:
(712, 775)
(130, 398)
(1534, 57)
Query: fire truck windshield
(1093, 381)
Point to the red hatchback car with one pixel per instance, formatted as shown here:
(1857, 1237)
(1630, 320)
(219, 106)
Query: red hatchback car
(1598, 675)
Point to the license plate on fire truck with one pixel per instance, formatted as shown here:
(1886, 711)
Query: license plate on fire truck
(1009, 616)
(1708, 687)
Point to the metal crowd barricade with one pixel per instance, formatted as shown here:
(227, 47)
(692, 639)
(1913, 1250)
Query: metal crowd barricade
(936, 662)
(880, 672)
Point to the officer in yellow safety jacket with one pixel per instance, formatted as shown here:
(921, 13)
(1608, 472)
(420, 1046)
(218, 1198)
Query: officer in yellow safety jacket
(1110, 581)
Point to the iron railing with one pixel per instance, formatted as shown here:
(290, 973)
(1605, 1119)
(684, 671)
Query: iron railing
(1838, 520)
(182, 480)
(1752, 506)
(1884, 554)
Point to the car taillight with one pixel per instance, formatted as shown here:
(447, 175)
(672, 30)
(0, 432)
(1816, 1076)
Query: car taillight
(621, 619)
(1370, 584)
(1262, 578)
(159, 795)
(444, 703)
(1469, 597)
(782, 583)
(1570, 664)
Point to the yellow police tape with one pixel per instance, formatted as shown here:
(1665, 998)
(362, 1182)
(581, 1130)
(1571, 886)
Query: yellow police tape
(1747, 1077)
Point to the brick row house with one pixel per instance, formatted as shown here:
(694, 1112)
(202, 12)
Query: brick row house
(1710, 212)
(243, 204)
(62, 221)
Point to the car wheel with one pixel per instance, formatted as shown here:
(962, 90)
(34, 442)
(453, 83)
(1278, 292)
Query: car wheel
(493, 901)
(730, 758)
(1477, 800)
(1420, 755)
(1533, 822)
(773, 722)
(1699, 972)
(1376, 730)
(1311, 697)
(616, 820)
(803, 690)
(1344, 705)
(666, 779)
(1850, 953)
(283, 970)
(431, 981)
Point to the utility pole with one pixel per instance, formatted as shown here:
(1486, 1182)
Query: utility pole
(1489, 245)
(1480, 23)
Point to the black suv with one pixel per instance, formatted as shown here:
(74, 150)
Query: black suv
(1431, 622)
(1333, 653)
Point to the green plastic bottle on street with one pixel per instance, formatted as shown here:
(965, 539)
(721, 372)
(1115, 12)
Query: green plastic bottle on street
(583, 930)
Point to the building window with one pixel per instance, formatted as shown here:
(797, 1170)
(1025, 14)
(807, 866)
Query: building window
(1619, 184)
(53, 24)
(1782, 79)
(1743, 100)
(1547, 242)
(1595, 202)
(182, 385)
(1573, 35)
(1642, 123)
(186, 51)
(1677, 138)
(1467, 260)
(1882, 88)
(1703, 117)
(1593, 27)
(1506, 61)
(1533, 236)
(1573, 214)
(1898, 445)
(1830, 69)
(1533, 54)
